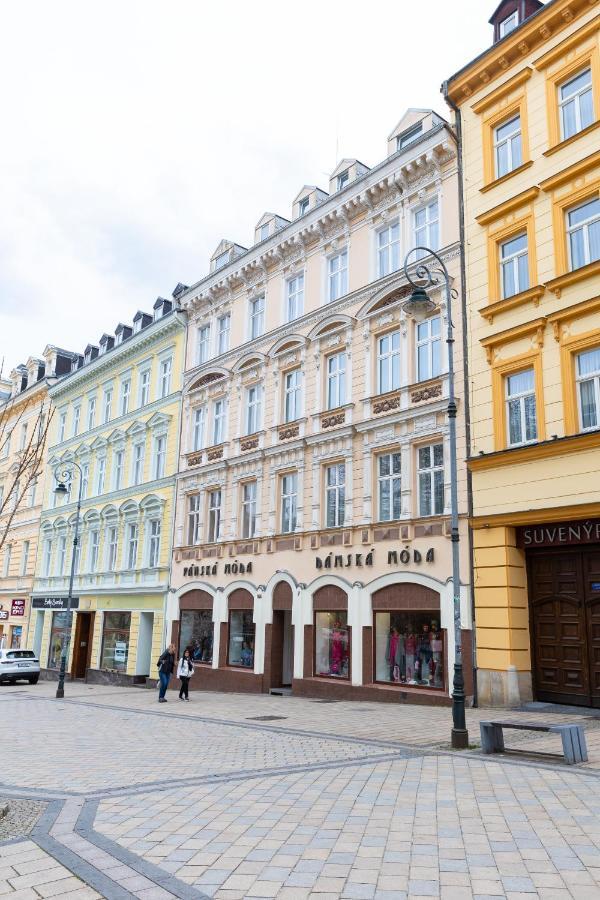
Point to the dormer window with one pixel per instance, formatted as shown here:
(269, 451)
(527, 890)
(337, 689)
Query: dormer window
(102, 350)
(343, 180)
(403, 140)
(118, 337)
(509, 24)
(264, 231)
(222, 260)
(137, 325)
(303, 206)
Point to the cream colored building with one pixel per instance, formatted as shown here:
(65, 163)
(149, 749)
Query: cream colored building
(311, 542)
(530, 117)
(24, 408)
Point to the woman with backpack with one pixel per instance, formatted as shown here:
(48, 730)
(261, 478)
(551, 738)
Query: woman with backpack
(185, 670)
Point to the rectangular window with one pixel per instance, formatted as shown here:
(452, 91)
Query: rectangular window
(222, 259)
(144, 387)
(388, 249)
(223, 329)
(47, 556)
(583, 230)
(25, 558)
(588, 388)
(332, 644)
(154, 543)
(431, 480)
(118, 462)
(264, 231)
(292, 389)
(62, 427)
(514, 266)
(61, 555)
(388, 362)
(85, 479)
(289, 501)
(59, 637)
(409, 648)
(93, 550)
(112, 535)
(219, 412)
(427, 228)
(295, 297)
(165, 377)
(336, 380)
(337, 269)
(160, 455)
(100, 475)
(253, 408)
(137, 468)
(343, 179)
(576, 104)
(107, 406)
(508, 147)
(91, 410)
(429, 348)
(23, 438)
(116, 630)
(7, 559)
(196, 632)
(198, 433)
(194, 519)
(249, 509)
(203, 344)
(509, 24)
(76, 421)
(303, 206)
(241, 639)
(335, 495)
(257, 317)
(407, 137)
(32, 493)
(389, 480)
(214, 516)
(520, 408)
(132, 544)
(124, 398)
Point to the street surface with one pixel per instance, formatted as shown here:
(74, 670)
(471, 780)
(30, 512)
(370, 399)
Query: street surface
(233, 796)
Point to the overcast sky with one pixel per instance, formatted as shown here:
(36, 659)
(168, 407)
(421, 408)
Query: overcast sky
(137, 134)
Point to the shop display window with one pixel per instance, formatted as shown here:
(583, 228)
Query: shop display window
(115, 641)
(59, 637)
(409, 649)
(241, 639)
(196, 633)
(17, 634)
(332, 644)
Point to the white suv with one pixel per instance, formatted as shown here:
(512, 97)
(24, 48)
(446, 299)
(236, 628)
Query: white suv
(18, 665)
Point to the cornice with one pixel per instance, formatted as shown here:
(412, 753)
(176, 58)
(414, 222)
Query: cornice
(557, 285)
(493, 309)
(542, 62)
(98, 503)
(571, 172)
(502, 209)
(573, 312)
(537, 516)
(577, 443)
(500, 92)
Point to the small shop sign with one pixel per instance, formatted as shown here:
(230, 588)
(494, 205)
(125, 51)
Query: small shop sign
(17, 607)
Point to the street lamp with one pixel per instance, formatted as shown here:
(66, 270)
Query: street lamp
(418, 306)
(64, 479)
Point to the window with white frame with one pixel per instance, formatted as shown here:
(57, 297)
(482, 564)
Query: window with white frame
(508, 146)
(112, 536)
(7, 559)
(521, 418)
(389, 486)
(408, 136)
(388, 249)
(32, 493)
(256, 317)
(294, 297)
(6, 444)
(203, 348)
(100, 474)
(335, 495)
(199, 423)
(336, 380)
(249, 509)
(427, 228)
(77, 551)
(264, 231)
(160, 454)
(429, 348)
(62, 427)
(583, 230)
(222, 259)
(219, 413)
(47, 560)
(91, 413)
(107, 405)
(153, 543)
(144, 388)
(124, 398)
(508, 24)
(289, 502)
(223, 331)
(61, 554)
(132, 544)
(343, 179)
(85, 479)
(337, 275)
(76, 421)
(23, 437)
(588, 388)
(194, 519)
(253, 408)
(292, 395)
(137, 463)
(431, 479)
(118, 463)
(214, 515)
(388, 362)
(303, 205)
(25, 558)
(576, 104)
(166, 366)
(514, 266)
(94, 545)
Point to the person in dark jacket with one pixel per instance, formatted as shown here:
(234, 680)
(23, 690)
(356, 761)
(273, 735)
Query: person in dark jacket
(166, 666)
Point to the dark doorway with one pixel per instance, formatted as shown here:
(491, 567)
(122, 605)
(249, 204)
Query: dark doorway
(82, 645)
(282, 648)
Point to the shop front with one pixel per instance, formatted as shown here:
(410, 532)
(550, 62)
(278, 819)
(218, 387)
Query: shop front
(13, 619)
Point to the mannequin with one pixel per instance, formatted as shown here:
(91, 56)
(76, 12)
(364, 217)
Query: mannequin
(394, 655)
(337, 650)
(437, 648)
(410, 646)
(425, 655)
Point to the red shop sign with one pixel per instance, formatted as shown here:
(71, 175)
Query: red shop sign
(17, 608)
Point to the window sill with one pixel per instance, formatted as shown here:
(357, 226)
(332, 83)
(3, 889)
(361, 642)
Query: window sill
(497, 181)
(567, 141)
(573, 443)
(493, 309)
(558, 284)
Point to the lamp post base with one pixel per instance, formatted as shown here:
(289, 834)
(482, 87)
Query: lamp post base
(460, 739)
(60, 690)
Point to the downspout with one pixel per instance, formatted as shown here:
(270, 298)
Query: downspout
(463, 292)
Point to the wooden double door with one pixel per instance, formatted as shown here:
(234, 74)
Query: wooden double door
(564, 598)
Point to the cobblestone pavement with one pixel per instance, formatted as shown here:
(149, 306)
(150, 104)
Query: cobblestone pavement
(332, 801)
(20, 817)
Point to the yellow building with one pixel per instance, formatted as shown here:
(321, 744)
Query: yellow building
(529, 110)
(116, 428)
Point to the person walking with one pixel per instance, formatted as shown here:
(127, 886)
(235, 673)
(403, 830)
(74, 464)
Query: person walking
(185, 670)
(166, 665)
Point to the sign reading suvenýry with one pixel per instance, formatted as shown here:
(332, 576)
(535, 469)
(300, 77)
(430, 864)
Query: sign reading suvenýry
(559, 534)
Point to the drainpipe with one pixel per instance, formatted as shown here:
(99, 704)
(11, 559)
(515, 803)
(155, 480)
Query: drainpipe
(463, 292)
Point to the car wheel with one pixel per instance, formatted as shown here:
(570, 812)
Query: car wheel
(34, 679)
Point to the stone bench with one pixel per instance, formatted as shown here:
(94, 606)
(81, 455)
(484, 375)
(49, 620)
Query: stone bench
(573, 737)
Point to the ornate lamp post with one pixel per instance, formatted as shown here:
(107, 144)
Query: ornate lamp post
(419, 305)
(64, 480)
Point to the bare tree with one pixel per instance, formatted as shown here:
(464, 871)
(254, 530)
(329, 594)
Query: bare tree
(27, 460)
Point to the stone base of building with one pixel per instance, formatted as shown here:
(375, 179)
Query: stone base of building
(503, 689)
(100, 676)
(325, 689)
(49, 675)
